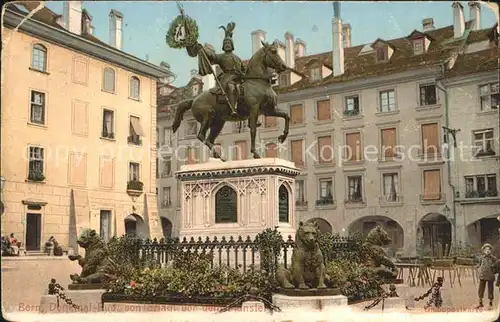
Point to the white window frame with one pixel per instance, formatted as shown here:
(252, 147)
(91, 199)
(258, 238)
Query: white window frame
(113, 122)
(34, 156)
(483, 141)
(315, 73)
(132, 171)
(166, 160)
(321, 181)
(297, 190)
(39, 48)
(387, 195)
(424, 103)
(474, 179)
(386, 93)
(42, 105)
(104, 87)
(135, 88)
(487, 97)
(348, 186)
(110, 223)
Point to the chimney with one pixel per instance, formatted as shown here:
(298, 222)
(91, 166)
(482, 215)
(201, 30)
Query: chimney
(346, 32)
(458, 19)
(428, 24)
(300, 48)
(72, 13)
(475, 14)
(115, 29)
(86, 22)
(193, 73)
(257, 37)
(165, 65)
(289, 50)
(338, 49)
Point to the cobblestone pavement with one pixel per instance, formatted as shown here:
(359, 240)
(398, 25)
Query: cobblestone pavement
(457, 298)
(24, 281)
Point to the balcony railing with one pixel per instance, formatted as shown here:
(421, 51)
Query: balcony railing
(326, 201)
(301, 203)
(35, 175)
(354, 199)
(134, 139)
(482, 194)
(391, 198)
(135, 185)
(351, 113)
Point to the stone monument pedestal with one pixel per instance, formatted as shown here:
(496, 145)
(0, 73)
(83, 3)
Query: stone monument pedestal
(309, 303)
(87, 297)
(237, 198)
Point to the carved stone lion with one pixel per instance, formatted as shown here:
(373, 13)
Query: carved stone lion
(96, 258)
(308, 266)
(375, 256)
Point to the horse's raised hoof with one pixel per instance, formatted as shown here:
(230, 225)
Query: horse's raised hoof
(256, 156)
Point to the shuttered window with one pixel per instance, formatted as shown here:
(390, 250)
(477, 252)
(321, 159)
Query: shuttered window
(432, 185)
(353, 147)
(389, 142)
(297, 114)
(323, 110)
(430, 138)
(325, 149)
(297, 152)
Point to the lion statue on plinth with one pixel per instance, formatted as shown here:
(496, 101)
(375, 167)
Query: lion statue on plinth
(375, 256)
(308, 266)
(95, 260)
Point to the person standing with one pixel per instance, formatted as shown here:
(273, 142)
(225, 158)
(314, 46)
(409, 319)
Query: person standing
(486, 274)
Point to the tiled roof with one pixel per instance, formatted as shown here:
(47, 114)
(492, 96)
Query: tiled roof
(361, 66)
(177, 95)
(49, 17)
(477, 62)
(364, 65)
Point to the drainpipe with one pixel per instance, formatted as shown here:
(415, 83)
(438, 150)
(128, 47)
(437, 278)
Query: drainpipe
(448, 165)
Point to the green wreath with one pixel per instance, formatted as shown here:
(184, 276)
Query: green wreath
(191, 29)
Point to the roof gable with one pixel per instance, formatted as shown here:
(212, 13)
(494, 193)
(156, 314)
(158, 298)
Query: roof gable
(380, 42)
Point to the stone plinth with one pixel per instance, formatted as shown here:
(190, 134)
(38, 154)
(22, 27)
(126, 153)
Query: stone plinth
(309, 303)
(251, 191)
(87, 300)
(395, 304)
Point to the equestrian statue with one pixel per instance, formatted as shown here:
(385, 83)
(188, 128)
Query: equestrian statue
(242, 93)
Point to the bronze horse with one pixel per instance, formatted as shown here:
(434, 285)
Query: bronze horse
(258, 98)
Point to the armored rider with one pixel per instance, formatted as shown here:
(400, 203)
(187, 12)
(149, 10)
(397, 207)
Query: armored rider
(231, 65)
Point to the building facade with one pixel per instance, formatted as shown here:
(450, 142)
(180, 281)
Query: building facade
(368, 129)
(78, 120)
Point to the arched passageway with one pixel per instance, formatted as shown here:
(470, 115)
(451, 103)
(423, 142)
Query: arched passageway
(166, 227)
(434, 233)
(134, 226)
(324, 225)
(364, 225)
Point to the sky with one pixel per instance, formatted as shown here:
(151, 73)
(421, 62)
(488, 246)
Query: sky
(146, 24)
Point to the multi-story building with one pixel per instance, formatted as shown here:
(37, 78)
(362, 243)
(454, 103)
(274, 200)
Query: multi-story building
(367, 128)
(78, 120)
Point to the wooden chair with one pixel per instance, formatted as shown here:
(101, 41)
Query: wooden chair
(443, 265)
(464, 266)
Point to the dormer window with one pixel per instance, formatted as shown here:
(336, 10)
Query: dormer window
(419, 41)
(315, 74)
(418, 46)
(381, 54)
(284, 79)
(383, 50)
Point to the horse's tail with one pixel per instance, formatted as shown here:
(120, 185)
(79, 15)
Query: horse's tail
(179, 114)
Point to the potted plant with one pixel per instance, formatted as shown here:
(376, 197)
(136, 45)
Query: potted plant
(36, 175)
